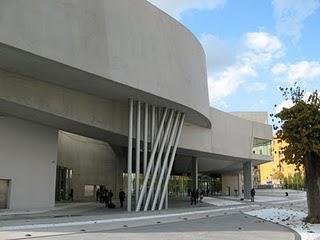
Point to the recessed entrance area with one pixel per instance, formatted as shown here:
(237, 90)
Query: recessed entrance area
(84, 165)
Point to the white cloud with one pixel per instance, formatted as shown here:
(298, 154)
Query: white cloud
(279, 69)
(256, 86)
(290, 15)
(304, 70)
(228, 81)
(175, 8)
(263, 41)
(260, 49)
(218, 54)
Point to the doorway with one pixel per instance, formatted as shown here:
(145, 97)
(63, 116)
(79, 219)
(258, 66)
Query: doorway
(4, 192)
(63, 183)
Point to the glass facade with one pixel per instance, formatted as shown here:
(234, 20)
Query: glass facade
(262, 147)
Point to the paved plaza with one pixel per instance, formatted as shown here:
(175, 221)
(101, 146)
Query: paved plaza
(219, 218)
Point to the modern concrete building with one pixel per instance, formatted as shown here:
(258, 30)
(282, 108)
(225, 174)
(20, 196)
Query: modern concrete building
(95, 93)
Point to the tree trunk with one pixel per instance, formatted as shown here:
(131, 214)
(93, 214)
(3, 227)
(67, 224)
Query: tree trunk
(312, 169)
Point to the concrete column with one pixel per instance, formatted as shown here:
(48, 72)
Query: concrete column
(138, 150)
(247, 179)
(194, 172)
(239, 184)
(130, 131)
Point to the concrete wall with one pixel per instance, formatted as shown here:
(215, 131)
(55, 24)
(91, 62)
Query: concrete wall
(230, 135)
(68, 105)
(100, 118)
(261, 117)
(28, 158)
(234, 181)
(93, 163)
(129, 42)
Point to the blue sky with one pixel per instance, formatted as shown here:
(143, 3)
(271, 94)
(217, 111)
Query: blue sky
(253, 47)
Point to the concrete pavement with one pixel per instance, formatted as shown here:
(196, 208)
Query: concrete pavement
(91, 221)
(226, 226)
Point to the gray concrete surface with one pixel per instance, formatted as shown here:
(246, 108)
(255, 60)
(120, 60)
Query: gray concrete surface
(233, 226)
(218, 148)
(28, 159)
(183, 222)
(125, 42)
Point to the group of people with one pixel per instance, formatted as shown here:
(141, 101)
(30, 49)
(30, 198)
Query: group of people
(195, 195)
(104, 195)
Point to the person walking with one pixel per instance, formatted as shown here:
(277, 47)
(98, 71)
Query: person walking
(195, 196)
(109, 203)
(253, 193)
(192, 193)
(98, 195)
(110, 195)
(122, 197)
(105, 196)
(71, 195)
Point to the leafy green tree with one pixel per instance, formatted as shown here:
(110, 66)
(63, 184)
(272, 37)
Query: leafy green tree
(299, 126)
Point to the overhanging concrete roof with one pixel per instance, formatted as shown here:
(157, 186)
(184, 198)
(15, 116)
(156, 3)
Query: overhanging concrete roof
(111, 49)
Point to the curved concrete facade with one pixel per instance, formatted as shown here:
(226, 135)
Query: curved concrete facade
(107, 120)
(113, 49)
(73, 65)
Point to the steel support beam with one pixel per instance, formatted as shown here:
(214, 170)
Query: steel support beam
(153, 122)
(145, 138)
(138, 150)
(165, 188)
(151, 162)
(165, 162)
(158, 162)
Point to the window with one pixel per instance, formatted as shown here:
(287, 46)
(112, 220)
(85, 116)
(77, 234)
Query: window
(262, 146)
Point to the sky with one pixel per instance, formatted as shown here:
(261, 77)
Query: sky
(253, 47)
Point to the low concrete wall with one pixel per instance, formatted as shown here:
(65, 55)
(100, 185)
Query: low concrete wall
(28, 159)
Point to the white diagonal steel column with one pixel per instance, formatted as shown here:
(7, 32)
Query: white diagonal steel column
(138, 150)
(171, 162)
(153, 131)
(155, 127)
(165, 161)
(151, 161)
(158, 162)
(145, 138)
(159, 114)
(130, 154)
(153, 115)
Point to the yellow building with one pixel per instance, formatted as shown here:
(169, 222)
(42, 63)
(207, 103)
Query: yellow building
(271, 173)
